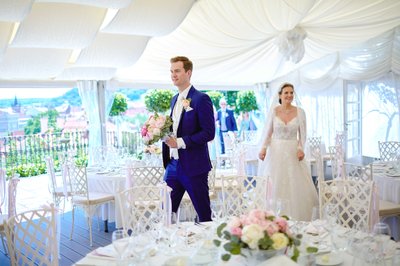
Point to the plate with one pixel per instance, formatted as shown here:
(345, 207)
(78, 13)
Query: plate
(329, 260)
(177, 261)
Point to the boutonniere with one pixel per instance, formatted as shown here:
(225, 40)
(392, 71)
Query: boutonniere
(186, 104)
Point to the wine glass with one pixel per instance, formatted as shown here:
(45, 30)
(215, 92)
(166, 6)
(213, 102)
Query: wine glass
(120, 242)
(381, 234)
(217, 211)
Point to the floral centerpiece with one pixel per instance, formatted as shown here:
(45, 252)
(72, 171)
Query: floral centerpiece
(155, 128)
(256, 231)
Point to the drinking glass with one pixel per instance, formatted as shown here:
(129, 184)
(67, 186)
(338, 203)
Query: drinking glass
(217, 211)
(381, 234)
(120, 242)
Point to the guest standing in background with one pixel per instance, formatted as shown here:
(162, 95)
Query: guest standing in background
(185, 154)
(226, 122)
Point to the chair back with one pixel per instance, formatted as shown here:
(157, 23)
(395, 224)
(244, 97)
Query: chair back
(314, 143)
(3, 177)
(52, 184)
(249, 135)
(32, 238)
(79, 183)
(139, 202)
(389, 150)
(212, 175)
(337, 161)
(358, 172)
(145, 175)
(12, 196)
(352, 199)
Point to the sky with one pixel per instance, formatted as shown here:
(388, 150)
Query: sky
(27, 93)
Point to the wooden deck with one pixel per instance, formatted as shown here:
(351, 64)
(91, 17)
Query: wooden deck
(73, 250)
(32, 192)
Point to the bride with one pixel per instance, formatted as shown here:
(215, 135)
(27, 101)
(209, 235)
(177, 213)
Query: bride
(282, 154)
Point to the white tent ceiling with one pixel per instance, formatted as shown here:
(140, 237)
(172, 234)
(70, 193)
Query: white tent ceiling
(231, 42)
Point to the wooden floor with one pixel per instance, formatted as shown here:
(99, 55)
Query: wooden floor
(73, 250)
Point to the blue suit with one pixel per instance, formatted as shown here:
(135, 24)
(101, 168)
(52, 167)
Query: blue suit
(190, 172)
(230, 123)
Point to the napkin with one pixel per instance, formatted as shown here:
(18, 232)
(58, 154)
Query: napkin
(315, 228)
(108, 251)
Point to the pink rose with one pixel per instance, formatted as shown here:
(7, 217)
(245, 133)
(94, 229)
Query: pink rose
(234, 222)
(271, 228)
(282, 223)
(237, 231)
(144, 131)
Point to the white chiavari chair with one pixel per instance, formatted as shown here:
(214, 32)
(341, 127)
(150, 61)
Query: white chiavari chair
(58, 192)
(389, 150)
(87, 200)
(11, 207)
(351, 198)
(3, 177)
(32, 237)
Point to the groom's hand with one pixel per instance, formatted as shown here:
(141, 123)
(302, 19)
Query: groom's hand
(171, 142)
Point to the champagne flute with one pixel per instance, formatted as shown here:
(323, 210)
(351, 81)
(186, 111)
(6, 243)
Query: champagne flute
(381, 233)
(120, 242)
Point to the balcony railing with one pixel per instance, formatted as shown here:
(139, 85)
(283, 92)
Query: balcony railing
(25, 154)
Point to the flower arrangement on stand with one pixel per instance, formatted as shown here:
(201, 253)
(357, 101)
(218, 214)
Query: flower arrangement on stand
(257, 231)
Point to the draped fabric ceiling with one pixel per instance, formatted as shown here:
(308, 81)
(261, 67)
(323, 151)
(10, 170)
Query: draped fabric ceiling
(233, 43)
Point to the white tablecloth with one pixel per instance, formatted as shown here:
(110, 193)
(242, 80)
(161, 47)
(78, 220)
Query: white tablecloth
(112, 183)
(389, 190)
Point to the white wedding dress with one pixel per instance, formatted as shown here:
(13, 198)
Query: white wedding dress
(291, 178)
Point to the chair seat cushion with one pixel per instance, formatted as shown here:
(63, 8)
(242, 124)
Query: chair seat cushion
(387, 208)
(94, 198)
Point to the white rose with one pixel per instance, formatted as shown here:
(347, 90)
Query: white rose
(280, 240)
(251, 234)
(156, 131)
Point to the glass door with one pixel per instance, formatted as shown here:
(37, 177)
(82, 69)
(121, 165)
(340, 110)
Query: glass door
(352, 97)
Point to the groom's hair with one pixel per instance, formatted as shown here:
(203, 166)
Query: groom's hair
(187, 64)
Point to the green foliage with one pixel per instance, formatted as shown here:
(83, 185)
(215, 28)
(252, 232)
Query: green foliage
(246, 101)
(215, 97)
(158, 101)
(120, 105)
(231, 97)
(32, 126)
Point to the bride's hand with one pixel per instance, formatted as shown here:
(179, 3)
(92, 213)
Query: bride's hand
(262, 154)
(300, 155)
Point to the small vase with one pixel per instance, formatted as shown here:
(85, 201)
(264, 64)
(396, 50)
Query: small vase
(256, 256)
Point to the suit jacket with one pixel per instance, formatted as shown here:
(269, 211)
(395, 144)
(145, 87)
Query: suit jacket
(197, 128)
(229, 119)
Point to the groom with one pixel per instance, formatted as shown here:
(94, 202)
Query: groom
(185, 156)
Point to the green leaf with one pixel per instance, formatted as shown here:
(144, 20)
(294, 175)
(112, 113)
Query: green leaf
(296, 254)
(220, 228)
(312, 249)
(226, 257)
(217, 242)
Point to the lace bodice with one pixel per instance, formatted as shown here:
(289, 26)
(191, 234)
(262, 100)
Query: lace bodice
(285, 131)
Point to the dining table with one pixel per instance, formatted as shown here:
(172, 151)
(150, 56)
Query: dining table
(386, 176)
(107, 180)
(350, 248)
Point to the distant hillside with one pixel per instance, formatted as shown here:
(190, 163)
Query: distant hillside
(71, 96)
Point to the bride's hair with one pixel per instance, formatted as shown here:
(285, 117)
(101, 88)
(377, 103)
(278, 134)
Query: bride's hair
(284, 85)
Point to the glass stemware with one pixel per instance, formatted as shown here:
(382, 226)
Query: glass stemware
(381, 233)
(120, 242)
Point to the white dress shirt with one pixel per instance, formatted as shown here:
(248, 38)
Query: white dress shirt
(176, 116)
